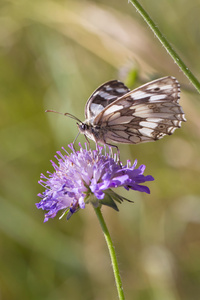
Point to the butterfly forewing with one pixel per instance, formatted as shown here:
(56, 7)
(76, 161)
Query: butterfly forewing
(104, 96)
(144, 114)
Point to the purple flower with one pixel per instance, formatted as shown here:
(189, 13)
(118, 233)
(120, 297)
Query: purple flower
(87, 176)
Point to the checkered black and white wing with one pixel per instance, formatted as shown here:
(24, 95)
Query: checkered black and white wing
(145, 114)
(104, 96)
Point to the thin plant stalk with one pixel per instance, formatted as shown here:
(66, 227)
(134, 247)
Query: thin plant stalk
(112, 254)
(166, 44)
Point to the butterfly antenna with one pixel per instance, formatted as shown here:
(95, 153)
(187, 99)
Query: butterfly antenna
(65, 114)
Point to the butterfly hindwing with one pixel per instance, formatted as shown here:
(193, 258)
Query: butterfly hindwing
(145, 114)
(104, 96)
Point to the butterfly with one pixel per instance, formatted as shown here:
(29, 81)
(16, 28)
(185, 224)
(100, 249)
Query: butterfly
(114, 114)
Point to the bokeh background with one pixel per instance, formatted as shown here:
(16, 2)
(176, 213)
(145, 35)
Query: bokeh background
(53, 55)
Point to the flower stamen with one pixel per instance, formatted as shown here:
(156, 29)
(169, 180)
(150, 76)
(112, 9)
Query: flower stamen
(88, 176)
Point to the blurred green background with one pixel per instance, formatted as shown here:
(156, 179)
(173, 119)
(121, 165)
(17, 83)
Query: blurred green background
(53, 55)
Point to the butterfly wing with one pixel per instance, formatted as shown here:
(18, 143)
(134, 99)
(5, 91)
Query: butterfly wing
(104, 96)
(145, 114)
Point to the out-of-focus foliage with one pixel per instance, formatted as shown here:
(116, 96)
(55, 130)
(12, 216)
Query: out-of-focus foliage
(53, 54)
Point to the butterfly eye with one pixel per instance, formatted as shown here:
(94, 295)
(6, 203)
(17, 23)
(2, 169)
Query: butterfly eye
(82, 127)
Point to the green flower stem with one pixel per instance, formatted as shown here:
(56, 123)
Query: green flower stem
(112, 253)
(166, 44)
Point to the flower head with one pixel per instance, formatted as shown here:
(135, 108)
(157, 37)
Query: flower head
(87, 176)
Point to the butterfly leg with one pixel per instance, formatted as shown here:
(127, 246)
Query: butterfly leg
(118, 152)
(75, 140)
(87, 141)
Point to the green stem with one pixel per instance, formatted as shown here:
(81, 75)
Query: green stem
(166, 44)
(112, 253)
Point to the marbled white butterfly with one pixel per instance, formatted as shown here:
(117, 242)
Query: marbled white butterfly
(114, 114)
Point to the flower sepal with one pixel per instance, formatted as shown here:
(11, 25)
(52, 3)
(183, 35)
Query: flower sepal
(68, 213)
(111, 197)
(93, 200)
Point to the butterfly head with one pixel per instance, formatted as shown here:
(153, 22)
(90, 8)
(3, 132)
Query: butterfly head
(82, 127)
(88, 130)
